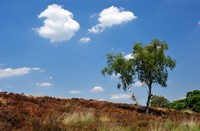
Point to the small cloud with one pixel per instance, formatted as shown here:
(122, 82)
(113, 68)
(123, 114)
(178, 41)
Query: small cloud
(44, 84)
(10, 72)
(74, 92)
(129, 56)
(112, 16)
(138, 84)
(97, 89)
(59, 24)
(198, 23)
(120, 96)
(9, 86)
(1, 90)
(84, 40)
(50, 77)
(118, 75)
(101, 99)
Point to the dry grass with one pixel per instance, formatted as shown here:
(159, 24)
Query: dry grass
(169, 125)
(78, 117)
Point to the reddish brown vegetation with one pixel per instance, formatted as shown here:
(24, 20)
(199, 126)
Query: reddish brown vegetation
(20, 112)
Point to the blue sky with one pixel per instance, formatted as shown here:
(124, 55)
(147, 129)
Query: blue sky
(57, 48)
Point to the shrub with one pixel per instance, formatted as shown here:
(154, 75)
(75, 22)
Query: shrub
(159, 101)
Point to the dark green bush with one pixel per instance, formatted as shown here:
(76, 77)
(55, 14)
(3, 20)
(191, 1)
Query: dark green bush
(159, 101)
(191, 102)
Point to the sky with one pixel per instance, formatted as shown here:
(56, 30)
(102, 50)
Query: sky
(57, 47)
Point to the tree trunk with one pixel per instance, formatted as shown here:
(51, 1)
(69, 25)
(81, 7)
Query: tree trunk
(148, 99)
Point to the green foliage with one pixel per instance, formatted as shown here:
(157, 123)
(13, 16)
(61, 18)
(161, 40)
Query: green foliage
(191, 102)
(159, 101)
(118, 65)
(151, 63)
(178, 104)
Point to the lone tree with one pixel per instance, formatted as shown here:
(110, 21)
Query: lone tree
(149, 64)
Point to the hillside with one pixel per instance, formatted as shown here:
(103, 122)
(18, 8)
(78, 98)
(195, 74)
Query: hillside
(21, 112)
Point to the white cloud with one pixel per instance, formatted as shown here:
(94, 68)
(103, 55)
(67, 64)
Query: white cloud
(102, 99)
(59, 24)
(44, 84)
(128, 56)
(74, 92)
(198, 22)
(120, 96)
(10, 72)
(118, 75)
(84, 40)
(138, 84)
(97, 89)
(112, 16)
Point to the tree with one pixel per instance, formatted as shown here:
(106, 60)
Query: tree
(177, 105)
(159, 101)
(117, 65)
(151, 65)
(191, 102)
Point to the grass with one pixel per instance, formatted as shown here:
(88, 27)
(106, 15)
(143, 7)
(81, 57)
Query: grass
(169, 125)
(84, 118)
(104, 119)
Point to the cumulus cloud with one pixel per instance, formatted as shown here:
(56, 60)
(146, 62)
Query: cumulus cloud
(44, 84)
(112, 16)
(84, 40)
(128, 56)
(138, 84)
(97, 89)
(10, 72)
(198, 23)
(120, 96)
(74, 92)
(59, 24)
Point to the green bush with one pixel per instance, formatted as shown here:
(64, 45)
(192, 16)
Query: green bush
(191, 102)
(159, 101)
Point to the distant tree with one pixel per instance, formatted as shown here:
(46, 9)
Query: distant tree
(191, 102)
(151, 65)
(159, 101)
(178, 104)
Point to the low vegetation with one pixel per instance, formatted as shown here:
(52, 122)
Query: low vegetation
(191, 102)
(21, 112)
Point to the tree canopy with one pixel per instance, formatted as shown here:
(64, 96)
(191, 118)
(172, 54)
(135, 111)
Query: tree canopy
(159, 101)
(118, 66)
